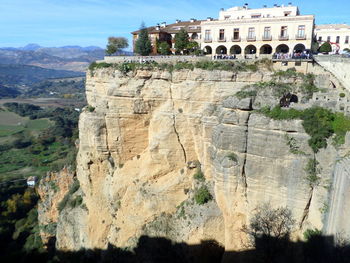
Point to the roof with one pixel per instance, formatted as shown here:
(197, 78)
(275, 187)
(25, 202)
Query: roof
(190, 27)
(332, 26)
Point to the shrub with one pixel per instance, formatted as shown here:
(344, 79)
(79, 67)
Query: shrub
(313, 171)
(90, 108)
(74, 187)
(310, 233)
(202, 195)
(325, 47)
(199, 175)
(232, 157)
(242, 94)
(342, 95)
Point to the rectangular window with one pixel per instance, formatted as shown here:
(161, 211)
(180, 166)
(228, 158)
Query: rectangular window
(207, 35)
(267, 32)
(222, 34)
(301, 31)
(328, 39)
(337, 39)
(319, 38)
(347, 40)
(284, 31)
(251, 33)
(236, 33)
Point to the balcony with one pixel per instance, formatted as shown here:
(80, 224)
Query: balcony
(283, 37)
(251, 38)
(266, 37)
(222, 39)
(208, 40)
(300, 37)
(236, 39)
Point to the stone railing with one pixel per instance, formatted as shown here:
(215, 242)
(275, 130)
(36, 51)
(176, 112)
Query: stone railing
(158, 59)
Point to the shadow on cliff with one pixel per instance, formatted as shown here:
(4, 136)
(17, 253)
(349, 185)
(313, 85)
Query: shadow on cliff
(318, 249)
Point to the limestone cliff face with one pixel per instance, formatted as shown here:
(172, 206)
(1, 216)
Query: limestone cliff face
(150, 131)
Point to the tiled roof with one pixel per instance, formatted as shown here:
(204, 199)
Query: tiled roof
(190, 27)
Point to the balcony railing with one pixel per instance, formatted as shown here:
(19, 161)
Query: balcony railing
(222, 39)
(208, 40)
(266, 38)
(283, 37)
(300, 37)
(236, 39)
(251, 38)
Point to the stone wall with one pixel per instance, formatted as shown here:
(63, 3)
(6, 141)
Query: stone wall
(338, 66)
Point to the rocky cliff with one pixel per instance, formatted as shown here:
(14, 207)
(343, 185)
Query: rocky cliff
(145, 135)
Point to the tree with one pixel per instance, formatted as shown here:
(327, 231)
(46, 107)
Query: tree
(181, 41)
(115, 44)
(192, 47)
(164, 48)
(325, 47)
(269, 231)
(143, 44)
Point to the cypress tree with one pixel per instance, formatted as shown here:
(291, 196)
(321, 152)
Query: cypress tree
(143, 44)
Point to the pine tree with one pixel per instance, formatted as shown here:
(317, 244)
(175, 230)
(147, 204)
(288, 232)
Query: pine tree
(181, 41)
(143, 44)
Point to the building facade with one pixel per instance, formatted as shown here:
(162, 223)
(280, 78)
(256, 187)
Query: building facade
(337, 34)
(163, 32)
(246, 32)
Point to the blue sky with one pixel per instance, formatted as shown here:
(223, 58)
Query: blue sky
(90, 22)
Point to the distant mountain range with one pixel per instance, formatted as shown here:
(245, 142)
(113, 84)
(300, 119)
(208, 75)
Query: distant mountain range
(74, 58)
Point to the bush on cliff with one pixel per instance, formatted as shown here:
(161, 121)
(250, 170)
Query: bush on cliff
(202, 195)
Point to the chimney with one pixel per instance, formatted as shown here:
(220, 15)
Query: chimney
(209, 18)
(245, 6)
(275, 5)
(192, 20)
(177, 21)
(163, 24)
(264, 6)
(157, 27)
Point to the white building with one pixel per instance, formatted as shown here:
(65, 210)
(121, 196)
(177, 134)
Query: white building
(257, 32)
(337, 34)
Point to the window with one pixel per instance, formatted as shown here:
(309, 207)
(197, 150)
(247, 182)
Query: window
(251, 32)
(256, 15)
(267, 32)
(236, 33)
(337, 39)
(207, 35)
(284, 31)
(319, 39)
(347, 40)
(328, 39)
(227, 17)
(301, 31)
(221, 34)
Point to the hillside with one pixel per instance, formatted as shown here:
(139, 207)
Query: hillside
(73, 58)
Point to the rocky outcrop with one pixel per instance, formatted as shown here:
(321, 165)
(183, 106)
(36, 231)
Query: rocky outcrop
(150, 132)
(52, 189)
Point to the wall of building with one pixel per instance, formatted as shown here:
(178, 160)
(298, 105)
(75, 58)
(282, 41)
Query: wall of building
(343, 32)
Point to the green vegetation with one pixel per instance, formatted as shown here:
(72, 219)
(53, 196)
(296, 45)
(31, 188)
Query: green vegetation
(313, 172)
(163, 48)
(19, 229)
(202, 195)
(232, 157)
(342, 95)
(325, 47)
(67, 198)
(310, 233)
(293, 146)
(143, 44)
(199, 176)
(115, 44)
(278, 86)
(40, 141)
(181, 41)
(318, 122)
(90, 108)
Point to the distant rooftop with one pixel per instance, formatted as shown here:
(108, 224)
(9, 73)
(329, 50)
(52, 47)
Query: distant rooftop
(332, 26)
(191, 26)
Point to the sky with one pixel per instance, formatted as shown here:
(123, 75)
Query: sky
(90, 22)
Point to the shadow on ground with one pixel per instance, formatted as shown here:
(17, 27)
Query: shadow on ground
(319, 249)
